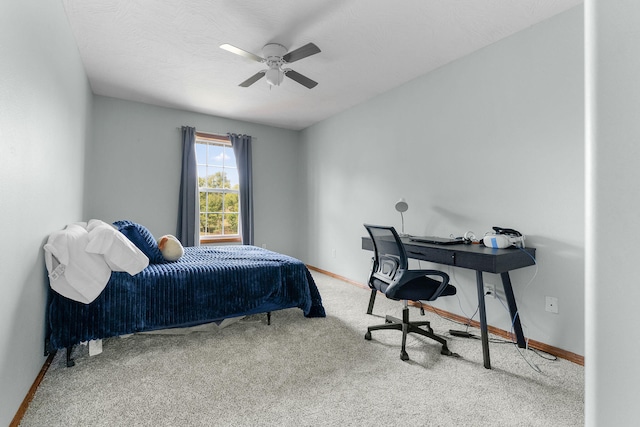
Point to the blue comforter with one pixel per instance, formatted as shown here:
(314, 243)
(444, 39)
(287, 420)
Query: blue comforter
(208, 283)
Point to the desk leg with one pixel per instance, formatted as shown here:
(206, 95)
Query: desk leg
(513, 309)
(484, 332)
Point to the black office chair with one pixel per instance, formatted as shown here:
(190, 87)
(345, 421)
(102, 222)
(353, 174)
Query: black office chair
(391, 276)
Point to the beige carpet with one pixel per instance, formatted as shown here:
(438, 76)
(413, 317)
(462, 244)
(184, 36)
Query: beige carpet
(304, 372)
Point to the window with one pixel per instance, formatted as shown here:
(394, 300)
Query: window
(218, 185)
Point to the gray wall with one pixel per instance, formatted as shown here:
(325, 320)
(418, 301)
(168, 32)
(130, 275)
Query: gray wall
(495, 138)
(45, 102)
(613, 149)
(134, 161)
(516, 106)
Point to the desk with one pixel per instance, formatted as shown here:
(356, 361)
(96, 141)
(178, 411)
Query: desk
(481, 259)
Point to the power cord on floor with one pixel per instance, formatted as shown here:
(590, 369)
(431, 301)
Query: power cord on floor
(542, 354)
(469, 318)
(467, 324)
(467, 334)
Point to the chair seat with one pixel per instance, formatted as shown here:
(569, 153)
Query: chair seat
(420, 288)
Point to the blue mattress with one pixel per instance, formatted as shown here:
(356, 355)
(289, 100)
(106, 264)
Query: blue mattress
(208, 283)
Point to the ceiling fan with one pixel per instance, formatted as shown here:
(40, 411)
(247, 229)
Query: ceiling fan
(276, 57)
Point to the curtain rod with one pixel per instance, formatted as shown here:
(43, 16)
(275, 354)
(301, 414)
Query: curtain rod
(253, 138)
(206, 131)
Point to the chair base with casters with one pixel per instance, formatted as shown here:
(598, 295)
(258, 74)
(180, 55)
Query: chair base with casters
(407, 327)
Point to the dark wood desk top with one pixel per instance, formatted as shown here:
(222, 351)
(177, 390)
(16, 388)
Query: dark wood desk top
(472, 256)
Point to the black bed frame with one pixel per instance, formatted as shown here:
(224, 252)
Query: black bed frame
(71, 362)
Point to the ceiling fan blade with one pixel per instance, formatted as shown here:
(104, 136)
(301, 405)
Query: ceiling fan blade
(302, 52)
(251, 80)
(303, 80)
(241, 52)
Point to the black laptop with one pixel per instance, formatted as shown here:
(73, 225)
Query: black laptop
(434, 240)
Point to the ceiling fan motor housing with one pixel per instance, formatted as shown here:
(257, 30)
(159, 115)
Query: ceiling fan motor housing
(273, 53)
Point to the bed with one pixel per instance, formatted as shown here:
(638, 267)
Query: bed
(207, 284)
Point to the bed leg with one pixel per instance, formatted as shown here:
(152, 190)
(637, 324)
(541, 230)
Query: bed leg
(268, 318)
(70, 361)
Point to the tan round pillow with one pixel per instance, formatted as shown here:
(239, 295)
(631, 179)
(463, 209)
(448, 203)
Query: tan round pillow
(170, 247)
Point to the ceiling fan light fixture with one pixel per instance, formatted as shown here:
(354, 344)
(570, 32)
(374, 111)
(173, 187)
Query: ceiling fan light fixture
(274, 76)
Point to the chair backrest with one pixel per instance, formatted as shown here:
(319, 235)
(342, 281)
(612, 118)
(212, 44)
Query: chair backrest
(390, 258)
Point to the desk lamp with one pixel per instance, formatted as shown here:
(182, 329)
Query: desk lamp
(402, 206)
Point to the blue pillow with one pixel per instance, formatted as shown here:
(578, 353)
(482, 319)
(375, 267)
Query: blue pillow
(142, 238)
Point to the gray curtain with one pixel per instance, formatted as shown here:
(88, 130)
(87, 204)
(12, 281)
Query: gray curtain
(242, 149)
(189, 203)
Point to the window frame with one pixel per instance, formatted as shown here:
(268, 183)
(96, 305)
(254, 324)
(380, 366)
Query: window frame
(212, 139)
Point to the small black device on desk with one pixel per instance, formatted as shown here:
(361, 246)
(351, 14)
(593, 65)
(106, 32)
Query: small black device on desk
(434, 240)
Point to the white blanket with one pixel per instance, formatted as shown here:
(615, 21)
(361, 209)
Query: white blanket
(81, 257)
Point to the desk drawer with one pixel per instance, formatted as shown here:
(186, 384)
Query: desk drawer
(432, 255)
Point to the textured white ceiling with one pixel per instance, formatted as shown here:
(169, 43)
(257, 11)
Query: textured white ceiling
(167, 52)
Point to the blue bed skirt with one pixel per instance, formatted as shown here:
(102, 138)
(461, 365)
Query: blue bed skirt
(208, 283)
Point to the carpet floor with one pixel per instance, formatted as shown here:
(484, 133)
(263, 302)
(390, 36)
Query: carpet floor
(308, 372)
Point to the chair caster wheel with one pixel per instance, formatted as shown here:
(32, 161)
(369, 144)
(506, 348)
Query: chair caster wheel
(404, 356)
(367, 336)
(446, 352)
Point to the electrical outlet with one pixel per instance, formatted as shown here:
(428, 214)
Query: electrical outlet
(490, 289)
(551, 304)
(333, 253)
(264, 246)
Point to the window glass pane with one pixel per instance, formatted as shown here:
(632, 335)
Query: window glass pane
(230, 157)
(214, 202)
(230, 223)
(203, 203)
(203, 224)
(214, 223)
(215, 155)
(208, 180)
(232, 176)
(231, 202)
(201, 153)
(202, 173)
(225, 179)
(216, 177)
